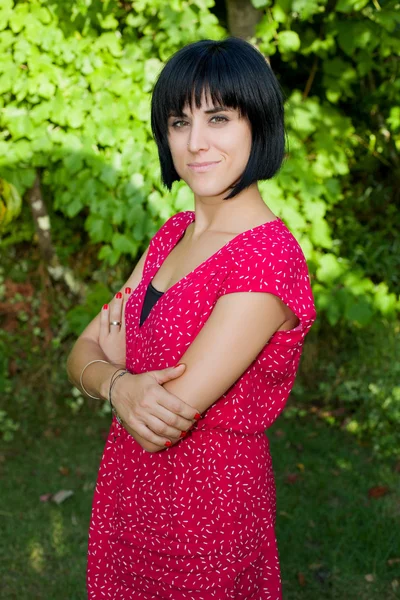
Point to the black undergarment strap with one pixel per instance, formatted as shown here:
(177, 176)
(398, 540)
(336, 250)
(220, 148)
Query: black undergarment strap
(151, 297)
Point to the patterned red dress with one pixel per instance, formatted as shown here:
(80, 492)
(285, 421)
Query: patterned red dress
(196, 521)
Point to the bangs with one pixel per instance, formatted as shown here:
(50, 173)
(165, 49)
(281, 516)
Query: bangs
(208, 74)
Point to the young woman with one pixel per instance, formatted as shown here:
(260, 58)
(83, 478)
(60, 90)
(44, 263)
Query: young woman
(184, 506)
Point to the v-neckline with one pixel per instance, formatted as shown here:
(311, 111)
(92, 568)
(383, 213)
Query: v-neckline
(192, 218)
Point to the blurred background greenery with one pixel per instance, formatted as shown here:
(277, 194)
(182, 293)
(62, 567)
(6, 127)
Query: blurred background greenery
(80, 198)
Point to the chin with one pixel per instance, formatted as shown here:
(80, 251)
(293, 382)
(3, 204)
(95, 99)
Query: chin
(209, 189)
(210, 192)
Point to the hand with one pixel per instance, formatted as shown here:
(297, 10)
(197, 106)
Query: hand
(112, 338)
(149, 410)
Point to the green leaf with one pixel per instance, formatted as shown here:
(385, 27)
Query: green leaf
(280, 11)
(359, 310)
(124, 244)
(260, 3)
(307, 8)
(99, 229)
(288, 41)
(73, 163)
(10, 203)
(108, 176)
(347, 6)
(329, 268)
(384, 301)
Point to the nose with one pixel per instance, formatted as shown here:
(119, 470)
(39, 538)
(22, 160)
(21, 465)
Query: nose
(197, 139)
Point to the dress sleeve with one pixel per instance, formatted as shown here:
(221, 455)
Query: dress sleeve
(275, 267)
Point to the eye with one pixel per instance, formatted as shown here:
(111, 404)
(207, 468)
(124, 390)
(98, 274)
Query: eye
(220, 117)
(177, 125)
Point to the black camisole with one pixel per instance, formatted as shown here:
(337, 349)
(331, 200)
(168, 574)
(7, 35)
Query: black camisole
(151, 297)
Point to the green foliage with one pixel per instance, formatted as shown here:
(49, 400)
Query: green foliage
(8, 426)
(10, 203)
(355, 382)
(75, 97)
(75, 103)
(80, 316)
(343, 159)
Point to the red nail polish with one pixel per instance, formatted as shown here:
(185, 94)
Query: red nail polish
(197, 416)
(128, 290)
(178, 365)
(105, 307)
(183, 434)
(119, 295)
(168, 443)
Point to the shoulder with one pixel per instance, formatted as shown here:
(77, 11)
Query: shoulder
(268, 246)
(178, 219)
(270, 259)
(173, 224)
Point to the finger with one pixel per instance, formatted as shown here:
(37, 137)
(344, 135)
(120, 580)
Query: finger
(115, 313)
(172, 420)
(174, 404)
(152, 437)
(164, 375)
(127, 294)
(104, 322)
(161, 429)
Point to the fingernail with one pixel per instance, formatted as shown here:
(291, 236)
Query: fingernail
(105, 306)
(197, 416)
(183, 434)
(128, 290)
(168, 443)
(119, 295)
(178, 365)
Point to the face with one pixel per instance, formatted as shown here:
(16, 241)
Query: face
(210, 147)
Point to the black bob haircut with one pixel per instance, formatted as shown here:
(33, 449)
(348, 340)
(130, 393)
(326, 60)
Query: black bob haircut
(235, 74)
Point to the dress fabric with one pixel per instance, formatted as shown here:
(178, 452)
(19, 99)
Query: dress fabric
(196, 521)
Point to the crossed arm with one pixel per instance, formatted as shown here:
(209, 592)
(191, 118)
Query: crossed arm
(236, 331)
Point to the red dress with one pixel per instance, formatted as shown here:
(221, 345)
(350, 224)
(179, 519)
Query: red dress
(196, 521)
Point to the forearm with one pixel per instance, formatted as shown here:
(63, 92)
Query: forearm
(97, 376)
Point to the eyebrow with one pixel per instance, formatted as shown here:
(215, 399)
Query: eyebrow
(210, 111)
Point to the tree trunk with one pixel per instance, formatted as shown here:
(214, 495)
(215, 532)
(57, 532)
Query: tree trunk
(43, 231)
(242, 18)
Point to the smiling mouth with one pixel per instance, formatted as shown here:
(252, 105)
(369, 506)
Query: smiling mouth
(203, 167)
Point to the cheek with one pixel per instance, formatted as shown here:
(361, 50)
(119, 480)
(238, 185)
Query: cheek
(177, 147)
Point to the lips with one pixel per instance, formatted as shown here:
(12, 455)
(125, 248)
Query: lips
(202, 167)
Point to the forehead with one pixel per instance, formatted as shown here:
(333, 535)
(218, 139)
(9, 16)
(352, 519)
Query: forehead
(208, 109)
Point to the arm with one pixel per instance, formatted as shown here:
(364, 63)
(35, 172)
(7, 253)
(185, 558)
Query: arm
(141, 398)
(87, 347)
(238, 328)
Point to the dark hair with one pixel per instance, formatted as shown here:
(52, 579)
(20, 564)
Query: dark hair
(235, 74)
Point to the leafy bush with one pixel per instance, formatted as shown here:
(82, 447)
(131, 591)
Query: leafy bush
(75, 104)
(351, 379)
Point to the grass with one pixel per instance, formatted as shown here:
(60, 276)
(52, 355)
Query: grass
(331, 534)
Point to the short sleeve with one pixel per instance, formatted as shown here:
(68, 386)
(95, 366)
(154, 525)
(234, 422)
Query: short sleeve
(274, 265)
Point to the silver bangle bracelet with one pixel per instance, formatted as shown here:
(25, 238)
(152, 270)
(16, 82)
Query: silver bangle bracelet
(114, 378)
(83, 370)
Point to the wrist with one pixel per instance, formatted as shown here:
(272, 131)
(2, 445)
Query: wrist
(117, 375)
(106, 380)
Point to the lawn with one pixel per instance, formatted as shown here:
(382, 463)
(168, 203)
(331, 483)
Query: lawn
(338, 512)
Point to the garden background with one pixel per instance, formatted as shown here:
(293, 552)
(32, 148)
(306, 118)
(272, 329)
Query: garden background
(80, 198)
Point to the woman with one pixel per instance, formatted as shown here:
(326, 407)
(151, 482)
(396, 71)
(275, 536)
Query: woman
(184, 506)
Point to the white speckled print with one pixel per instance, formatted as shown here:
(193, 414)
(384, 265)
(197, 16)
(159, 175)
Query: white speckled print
(196, 521)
